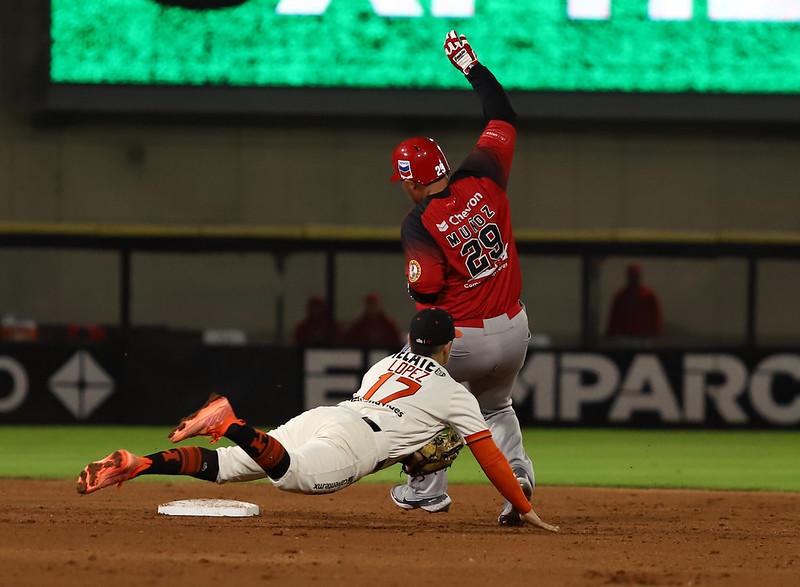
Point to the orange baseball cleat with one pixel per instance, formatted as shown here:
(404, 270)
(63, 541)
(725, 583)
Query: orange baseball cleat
(211, 420)
(117, 467)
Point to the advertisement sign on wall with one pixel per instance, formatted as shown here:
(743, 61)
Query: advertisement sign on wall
(658, 389)
(56, 384)
(144, 384)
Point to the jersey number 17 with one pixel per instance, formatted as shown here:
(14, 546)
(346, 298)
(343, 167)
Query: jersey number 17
(409, 388)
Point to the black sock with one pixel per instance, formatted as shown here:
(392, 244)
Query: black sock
(262, 448)
(186, 460)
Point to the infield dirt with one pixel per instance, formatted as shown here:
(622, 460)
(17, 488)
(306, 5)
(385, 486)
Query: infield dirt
(51, 536)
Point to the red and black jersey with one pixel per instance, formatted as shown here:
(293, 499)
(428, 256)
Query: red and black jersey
(459, 245)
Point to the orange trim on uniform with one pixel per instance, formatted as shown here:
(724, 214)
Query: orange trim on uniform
(477, 436)
(412, 387)
(191, 460)
(399, 394)
(499, 472)
(512, 311)
(195, 459)
(184, 454)
(270, 451)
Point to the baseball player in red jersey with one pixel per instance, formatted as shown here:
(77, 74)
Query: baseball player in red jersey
(404, 400)
(461, 256)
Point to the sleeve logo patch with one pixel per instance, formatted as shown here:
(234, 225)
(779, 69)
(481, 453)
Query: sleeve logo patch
(498, 136)
(414, 271)
(442, 226)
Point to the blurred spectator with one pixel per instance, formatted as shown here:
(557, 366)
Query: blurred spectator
(374, 329)
(86, 333)
(636, 313)
(18, 330)
(317, 328)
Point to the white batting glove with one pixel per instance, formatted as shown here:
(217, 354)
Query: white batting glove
(459, 52)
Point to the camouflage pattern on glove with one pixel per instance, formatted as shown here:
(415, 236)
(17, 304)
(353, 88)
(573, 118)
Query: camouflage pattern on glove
(438, 454)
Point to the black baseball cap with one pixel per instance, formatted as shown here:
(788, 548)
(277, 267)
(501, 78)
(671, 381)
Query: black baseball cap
(432, 327)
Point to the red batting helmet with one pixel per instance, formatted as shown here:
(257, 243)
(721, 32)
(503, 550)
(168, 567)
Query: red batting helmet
(419, 159)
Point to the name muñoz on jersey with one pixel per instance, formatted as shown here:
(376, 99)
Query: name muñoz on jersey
(459, 246)
(411, 398)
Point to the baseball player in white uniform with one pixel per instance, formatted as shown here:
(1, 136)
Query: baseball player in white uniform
(404, 400)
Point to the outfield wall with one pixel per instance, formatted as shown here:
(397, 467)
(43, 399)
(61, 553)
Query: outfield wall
(158, 383)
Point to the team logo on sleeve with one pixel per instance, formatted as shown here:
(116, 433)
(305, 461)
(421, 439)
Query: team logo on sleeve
(414, 271)
(497, 135)
(442, 226)
(404, 169)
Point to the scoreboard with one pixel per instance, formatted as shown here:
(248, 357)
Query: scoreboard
(632, 47)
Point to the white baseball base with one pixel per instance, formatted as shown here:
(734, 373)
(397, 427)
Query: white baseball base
(217, 508)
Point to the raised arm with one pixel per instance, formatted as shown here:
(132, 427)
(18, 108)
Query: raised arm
(494, 152)
(496, 105)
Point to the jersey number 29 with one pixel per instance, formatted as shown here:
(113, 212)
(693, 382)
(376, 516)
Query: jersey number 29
(482, 251)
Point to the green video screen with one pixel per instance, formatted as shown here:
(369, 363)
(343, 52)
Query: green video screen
(672, 46)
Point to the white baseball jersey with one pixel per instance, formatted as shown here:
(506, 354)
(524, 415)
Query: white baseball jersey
(408, 396)
(411, 397)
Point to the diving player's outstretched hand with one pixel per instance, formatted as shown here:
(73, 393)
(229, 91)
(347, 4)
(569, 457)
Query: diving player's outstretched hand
(459, 52)
(534, 520)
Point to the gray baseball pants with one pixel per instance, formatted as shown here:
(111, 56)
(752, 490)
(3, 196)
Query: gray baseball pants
(486, 360)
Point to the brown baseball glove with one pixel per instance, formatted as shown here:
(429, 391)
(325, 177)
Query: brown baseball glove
(438, 454)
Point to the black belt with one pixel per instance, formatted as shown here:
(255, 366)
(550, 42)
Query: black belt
(371, 424)
(376, 428)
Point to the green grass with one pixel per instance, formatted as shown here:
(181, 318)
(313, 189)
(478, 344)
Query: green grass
(614, 458)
